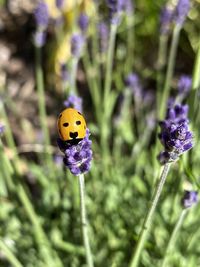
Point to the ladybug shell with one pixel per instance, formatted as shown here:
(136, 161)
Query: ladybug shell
(71, 125)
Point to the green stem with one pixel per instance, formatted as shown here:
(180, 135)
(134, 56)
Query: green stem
(41, 102)
(107, 89)
(149, 216)
(9, 255)
(109, 64)
(196, 71)
(84, 222)
(174, 237)
(42, 240)
(130, 45)
(74, 66)
(8, 133)
(162, 54)
(170, 69)
(196, 85)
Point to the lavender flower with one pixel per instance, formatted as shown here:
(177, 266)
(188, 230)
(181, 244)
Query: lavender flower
(103, 36)
(39, 38)
(132, 81)
(116, 8)
(58, 160)
(181, 11)
(189, 199)
(78, 156)
(64, 73)
(41, 15)
(128, 7)
(83, 22)
(75, 102)
(2, 129)
(59, 4)
(77, 42)
(166, 18)
(184, 84)
(175, 134)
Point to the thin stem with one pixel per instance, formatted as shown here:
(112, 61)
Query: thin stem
(196, 85)
(9, 255)
(107, 89)
(149, 216)
(173, 237)
(41, 101)
(109, 63)
(46, 251)
(84, 222)
(162, 54)
(170, 68)
(196, 71)
(130, 45)
(74, 66)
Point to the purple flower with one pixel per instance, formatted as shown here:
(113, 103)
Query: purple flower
(75, 102)
(132, 81)
(116, 7)
(64, 73)
(175, 134)
(59, 4)
(39, 38)
(41, 15)
(181, 11)
(2, 129)
(58, 160)
(83, 22)
(77, 42)
(184, 84)
(103, 36)
(128, 7)
(166, 18)
(78, 156)
(189, 199)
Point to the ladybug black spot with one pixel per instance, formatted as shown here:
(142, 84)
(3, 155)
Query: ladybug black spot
(78, 122)
(66, 124)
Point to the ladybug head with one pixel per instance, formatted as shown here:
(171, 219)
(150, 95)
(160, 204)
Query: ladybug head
(71, 125)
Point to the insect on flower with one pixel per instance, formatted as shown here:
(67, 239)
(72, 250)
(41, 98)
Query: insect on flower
(71, 126)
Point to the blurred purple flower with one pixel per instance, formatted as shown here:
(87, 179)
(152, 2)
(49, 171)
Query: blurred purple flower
(64, 73)
(75, 102)
(58, 160)
(189, 199)
(77, 42)
(2, 128)
(39, 38)
(116, 7)
(166, 19)
(83, 22)
(103, 36)
(128, 8)
(184, 84)
(175, 134)
(59, 4)
(181, 12)
(41, 15)
(132, 81)
(77, 157)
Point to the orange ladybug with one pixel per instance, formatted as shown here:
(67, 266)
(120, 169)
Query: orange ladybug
(71, 125)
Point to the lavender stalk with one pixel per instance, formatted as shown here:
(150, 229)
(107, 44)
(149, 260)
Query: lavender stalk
(149, 216)
(189, 199)
(84, 222)
(9, 255)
